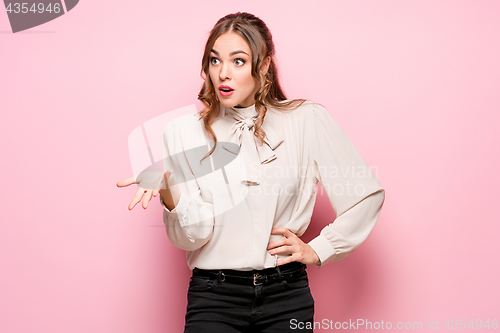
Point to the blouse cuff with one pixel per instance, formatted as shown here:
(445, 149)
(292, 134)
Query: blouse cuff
(180, 211)
(323, 249)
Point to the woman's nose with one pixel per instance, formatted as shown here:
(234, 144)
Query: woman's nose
(224, 72)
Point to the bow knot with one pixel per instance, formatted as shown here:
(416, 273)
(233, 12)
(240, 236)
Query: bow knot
(249, 122)
(244, 118)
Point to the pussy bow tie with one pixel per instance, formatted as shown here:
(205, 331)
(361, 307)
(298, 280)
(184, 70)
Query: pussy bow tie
(244, 123)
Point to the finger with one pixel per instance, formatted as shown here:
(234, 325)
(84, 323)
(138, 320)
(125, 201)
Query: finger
(276, 243)
(155, 192)
(285, 261)
(284, 231)
(146, 198)
(137, 197)
(281, 249)
(288, 237)
(126, 182)
(288, 234)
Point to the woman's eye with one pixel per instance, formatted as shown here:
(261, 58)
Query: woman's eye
(212, 61)
(241, 61)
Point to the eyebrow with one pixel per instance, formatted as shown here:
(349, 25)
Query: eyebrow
(230, 54)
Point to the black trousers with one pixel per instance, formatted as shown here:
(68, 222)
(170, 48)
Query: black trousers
(221, 307)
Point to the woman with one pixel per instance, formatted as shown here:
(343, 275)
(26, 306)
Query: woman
(240, 224)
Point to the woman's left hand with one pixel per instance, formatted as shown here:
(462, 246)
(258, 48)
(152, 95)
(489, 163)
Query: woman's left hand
(300, 251)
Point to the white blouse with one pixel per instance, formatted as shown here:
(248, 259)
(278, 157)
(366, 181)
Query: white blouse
(225, 215)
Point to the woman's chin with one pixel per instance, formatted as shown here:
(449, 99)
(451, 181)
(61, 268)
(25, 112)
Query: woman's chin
(227, 103)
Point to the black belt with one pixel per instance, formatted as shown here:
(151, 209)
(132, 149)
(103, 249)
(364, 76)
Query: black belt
(255, 277)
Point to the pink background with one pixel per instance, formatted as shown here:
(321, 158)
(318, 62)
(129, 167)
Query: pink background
(414, 84)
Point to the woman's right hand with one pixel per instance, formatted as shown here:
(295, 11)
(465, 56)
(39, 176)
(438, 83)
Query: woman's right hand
(164, 184)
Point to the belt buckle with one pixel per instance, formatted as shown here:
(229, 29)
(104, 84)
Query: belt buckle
(255, 277)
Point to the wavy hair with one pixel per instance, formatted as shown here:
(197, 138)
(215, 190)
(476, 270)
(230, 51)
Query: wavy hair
(258, 36)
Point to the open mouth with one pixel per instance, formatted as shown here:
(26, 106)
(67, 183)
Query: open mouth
(225, 90)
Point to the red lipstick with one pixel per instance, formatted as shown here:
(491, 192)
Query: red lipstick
(226, 90)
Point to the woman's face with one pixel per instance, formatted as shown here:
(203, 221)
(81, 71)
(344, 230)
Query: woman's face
(230, 66)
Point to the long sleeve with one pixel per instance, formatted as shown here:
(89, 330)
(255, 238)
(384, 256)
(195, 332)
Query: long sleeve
(190, 224)
(354, 191)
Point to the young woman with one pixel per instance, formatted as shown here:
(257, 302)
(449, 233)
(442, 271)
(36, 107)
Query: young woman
(241, 223)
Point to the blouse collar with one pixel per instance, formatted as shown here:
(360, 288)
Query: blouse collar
(247, 112)
(244, 118)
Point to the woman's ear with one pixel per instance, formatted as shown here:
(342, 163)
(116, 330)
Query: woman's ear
(265, 65)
